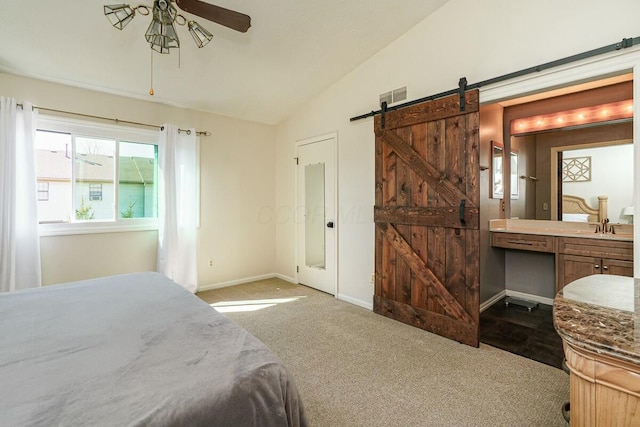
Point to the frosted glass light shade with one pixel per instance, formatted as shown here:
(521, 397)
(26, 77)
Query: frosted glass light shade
(200, 34)
(161, 33)
(119, 14)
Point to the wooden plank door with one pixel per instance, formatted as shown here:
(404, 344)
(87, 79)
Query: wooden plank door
(427, 217)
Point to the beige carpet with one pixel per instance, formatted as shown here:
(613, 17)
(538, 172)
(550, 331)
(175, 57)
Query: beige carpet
(356, 368)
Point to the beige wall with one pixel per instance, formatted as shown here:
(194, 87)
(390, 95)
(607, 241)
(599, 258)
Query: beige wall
(475, 39)
(237, 184)
(85, 256)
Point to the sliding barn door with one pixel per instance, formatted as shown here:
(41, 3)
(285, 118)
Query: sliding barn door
(427, 217)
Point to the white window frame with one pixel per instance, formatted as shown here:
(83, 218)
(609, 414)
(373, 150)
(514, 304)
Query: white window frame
(40, 191)
(93, 129)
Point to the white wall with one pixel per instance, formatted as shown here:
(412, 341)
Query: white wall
(475, 39)
(237, 182)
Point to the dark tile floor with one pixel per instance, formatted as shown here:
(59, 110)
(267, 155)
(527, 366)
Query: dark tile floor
(523, 332)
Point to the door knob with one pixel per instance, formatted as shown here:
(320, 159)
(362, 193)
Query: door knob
(330, 224)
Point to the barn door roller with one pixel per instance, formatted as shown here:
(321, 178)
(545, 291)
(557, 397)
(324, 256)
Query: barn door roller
(383, 114)
(462, 88)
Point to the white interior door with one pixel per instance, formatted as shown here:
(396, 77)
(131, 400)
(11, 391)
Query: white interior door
(316, 214)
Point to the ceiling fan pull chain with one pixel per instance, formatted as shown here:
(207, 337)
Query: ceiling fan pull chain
(151, 90)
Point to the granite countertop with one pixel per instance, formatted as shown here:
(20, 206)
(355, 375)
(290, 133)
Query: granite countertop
(623, 232)
(597, 313)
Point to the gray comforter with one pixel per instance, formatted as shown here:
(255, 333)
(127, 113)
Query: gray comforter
(134, 350)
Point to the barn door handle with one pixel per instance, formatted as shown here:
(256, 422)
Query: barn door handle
(463, 202)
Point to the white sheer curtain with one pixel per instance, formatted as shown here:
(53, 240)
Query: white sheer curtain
(178, 206)
(19, 240)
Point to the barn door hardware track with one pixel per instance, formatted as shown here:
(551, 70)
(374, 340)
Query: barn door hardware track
(624, 44)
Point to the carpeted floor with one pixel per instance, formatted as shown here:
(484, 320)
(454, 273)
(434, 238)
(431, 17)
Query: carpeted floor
(355, 368)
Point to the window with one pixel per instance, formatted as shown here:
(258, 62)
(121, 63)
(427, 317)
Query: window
(43, 191)
(95, 192)
(95, 176)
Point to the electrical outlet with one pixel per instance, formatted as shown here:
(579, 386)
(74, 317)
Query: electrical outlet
(211, 263)
(373, 277)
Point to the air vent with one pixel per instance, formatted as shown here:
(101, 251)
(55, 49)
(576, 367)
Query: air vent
(399, 94)
(386, 97)
(393, 96)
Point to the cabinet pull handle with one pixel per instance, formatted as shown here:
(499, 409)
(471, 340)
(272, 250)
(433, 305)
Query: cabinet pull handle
(520, 242)
(596, 266)
(604, 267)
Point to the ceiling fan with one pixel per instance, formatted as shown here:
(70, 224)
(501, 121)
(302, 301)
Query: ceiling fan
(228, 18)
(161, 33)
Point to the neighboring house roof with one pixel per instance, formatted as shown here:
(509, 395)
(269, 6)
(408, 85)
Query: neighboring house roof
(136, 170)
(55, 166)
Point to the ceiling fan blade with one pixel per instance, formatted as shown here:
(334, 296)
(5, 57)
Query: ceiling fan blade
(229, 18)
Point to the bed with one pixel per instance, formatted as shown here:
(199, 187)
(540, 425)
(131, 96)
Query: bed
(577, 209)
(135, 350)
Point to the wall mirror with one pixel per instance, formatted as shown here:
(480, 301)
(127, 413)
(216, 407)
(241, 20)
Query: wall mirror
(515, 184)
(497, 172)
(586, 171)
(314, 216)
(497, 177)
(594, 172)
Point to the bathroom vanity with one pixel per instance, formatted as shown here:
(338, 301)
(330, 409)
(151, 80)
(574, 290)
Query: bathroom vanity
(596, 318)
(580, 249)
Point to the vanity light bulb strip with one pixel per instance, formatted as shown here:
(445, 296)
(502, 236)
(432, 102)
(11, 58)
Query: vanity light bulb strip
(580, 116)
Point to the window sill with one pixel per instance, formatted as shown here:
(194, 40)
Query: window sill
(122, 226)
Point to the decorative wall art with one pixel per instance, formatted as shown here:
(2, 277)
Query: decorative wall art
(576, 169)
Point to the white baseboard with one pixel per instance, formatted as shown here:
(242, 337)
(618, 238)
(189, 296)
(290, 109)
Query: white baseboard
(238, 282)
(351, 300)
(529, 297)
(355, 301)
(494, 299)
(286, 278)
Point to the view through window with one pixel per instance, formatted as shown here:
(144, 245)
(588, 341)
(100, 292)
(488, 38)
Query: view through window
(84, 177)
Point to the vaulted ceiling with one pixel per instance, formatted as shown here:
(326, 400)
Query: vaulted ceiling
(293, 51)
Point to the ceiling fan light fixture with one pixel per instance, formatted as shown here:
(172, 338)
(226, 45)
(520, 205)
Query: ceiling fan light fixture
(162, 44)
(161, 33)
(200, 35)
(119, 14)
(162, 37)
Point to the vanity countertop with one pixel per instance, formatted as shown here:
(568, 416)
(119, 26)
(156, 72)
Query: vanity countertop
(624, 232)
(597, 313)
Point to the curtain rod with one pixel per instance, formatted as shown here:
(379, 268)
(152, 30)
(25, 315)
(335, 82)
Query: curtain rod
(188, 131)
(625, 43)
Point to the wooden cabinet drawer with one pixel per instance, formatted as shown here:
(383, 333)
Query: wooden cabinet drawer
(612, 249)
(617, 267)
(525, 242)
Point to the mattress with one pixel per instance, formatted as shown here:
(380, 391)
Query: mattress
(135, 350)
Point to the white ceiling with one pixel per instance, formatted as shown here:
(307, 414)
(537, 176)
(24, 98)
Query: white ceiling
(293, 50)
